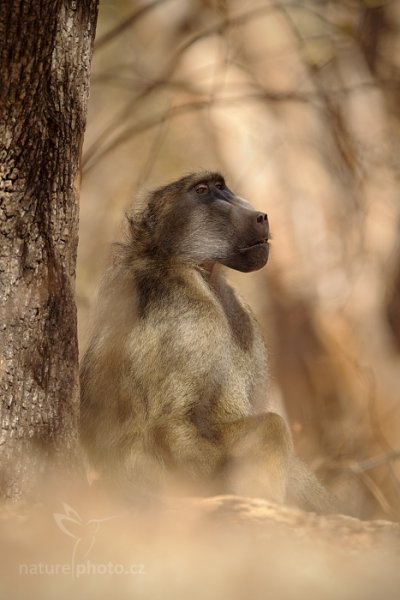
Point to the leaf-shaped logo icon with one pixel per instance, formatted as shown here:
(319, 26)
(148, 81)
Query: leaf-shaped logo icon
(83, 532)
(68, 521)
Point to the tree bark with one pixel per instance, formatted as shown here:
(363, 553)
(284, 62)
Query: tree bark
(45, 55)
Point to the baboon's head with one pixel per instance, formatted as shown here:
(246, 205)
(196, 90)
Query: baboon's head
(198, 218)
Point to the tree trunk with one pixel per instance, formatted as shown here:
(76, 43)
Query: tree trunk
(45, 54)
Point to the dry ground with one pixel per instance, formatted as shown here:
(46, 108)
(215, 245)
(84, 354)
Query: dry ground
(91, 546)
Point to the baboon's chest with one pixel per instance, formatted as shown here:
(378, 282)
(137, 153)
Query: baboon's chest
(205, 342)
(242, 351)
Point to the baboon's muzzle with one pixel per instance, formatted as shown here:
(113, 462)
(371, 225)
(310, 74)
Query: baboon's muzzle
(253, 247)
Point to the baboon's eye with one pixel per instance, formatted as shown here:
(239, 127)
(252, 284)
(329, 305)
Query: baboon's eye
(201, 188)
(219, 185)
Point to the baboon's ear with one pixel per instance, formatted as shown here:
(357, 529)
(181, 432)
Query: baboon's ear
(130, 219)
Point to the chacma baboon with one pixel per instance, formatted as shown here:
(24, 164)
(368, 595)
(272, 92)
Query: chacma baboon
(173, 383)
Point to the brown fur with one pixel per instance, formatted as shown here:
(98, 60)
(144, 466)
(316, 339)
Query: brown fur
(174, 379)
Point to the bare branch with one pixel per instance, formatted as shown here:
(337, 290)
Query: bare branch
(129, 21)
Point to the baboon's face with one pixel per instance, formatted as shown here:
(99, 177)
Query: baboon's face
(222, 227)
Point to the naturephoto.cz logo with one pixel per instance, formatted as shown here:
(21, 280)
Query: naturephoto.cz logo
(84, 535)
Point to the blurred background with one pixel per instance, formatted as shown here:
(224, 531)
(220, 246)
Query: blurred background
(298, 105)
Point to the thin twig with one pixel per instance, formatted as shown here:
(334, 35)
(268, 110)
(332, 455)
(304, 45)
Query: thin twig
(128, 22)
(356, 466)
(129, 132)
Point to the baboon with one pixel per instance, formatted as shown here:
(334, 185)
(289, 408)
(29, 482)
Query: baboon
(174, 380)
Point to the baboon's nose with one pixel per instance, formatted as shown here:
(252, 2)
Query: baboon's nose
(262, 224)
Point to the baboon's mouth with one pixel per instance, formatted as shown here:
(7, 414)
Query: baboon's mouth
(262, 242)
